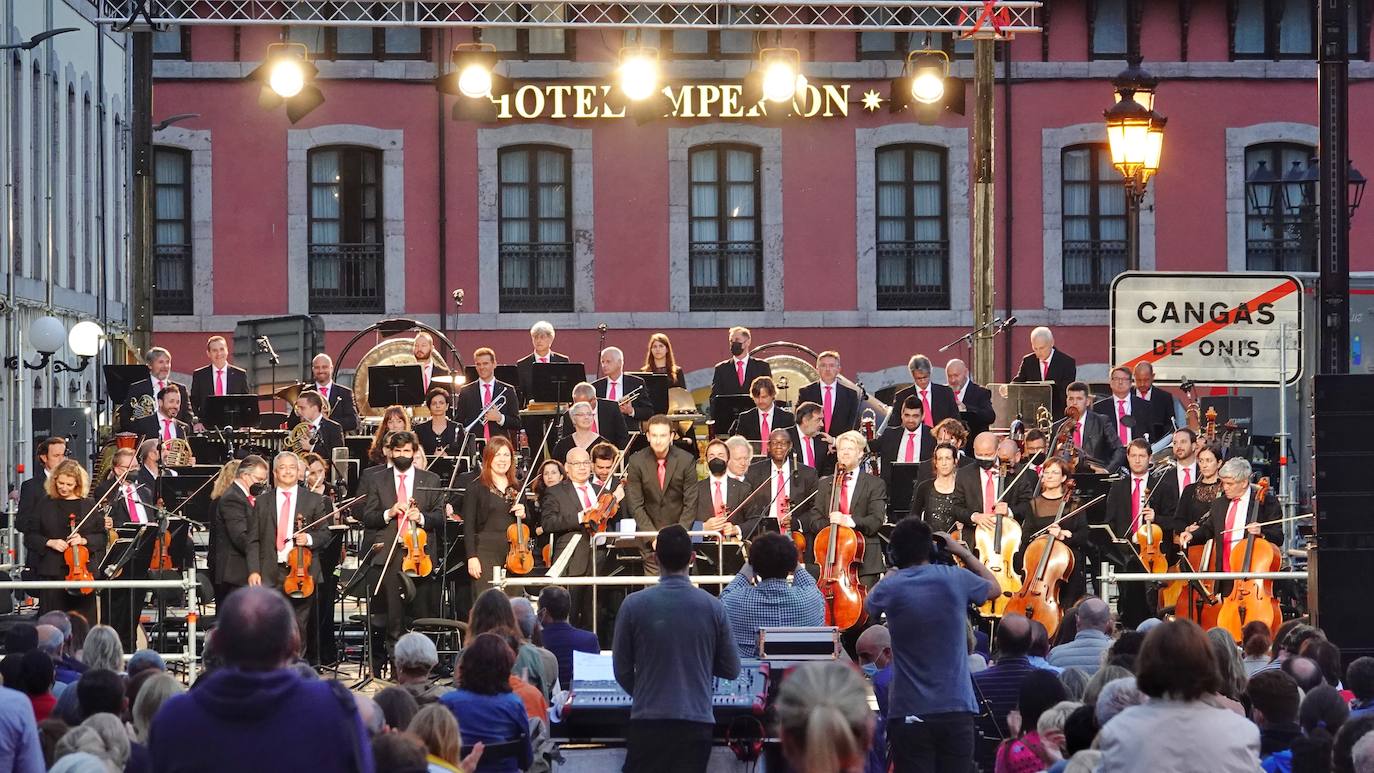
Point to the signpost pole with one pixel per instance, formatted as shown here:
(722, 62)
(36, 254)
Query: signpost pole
(1286, 499)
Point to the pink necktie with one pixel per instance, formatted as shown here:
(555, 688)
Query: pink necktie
(1187, 477)
(781, 493)
(910, 447)
(763, 425)
(166, 429)
(161, 385)
(739, 371)
(486, 401)
(325, 393)
(662, 473)
(129, 502)
(401, 497)
(718, 501)
(284, 521)
(1230, 535)
(989, 493)
(844, 494)
(806, 451)
(219, 383)
(1135, 504)
(926, 418)
(829, 406)
(1044, 370)
(1121, 430)
(586, 497)
(1078, 434)
(424, 373)
(610, 387)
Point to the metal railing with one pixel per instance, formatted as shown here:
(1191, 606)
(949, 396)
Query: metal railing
(1089, 268)
(924, 270)
(536, 276)
(346, 279)
(1287, 254)
(716, 268)
(172, 281)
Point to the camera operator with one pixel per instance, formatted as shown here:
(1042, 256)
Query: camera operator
(931, 705)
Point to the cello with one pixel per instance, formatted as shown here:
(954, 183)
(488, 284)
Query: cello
(1250, 599)
(1038, 598)
(843, 550)
(997, 546)
(299, 583)
(417, 562)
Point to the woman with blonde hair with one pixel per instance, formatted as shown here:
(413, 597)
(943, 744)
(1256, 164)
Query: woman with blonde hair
(225, 478)
(151, 696)
(438, 728)
(64, 520)
(824, 718)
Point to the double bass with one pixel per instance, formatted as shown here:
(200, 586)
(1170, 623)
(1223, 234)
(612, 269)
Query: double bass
(1038, 598)
(299, 584)
(840, 552)
(997, 546)
(1251, 599)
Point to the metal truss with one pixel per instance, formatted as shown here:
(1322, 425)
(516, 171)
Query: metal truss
(1003, 19)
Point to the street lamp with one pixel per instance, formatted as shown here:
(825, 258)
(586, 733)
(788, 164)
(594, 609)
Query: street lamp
(47, 334)
(1135, 136)
(1295, 194)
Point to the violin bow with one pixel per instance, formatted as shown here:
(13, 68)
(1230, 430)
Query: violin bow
(344, 505)
(1070, 514)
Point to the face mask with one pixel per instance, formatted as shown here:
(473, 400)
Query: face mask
(401, 463)
(257, 489)
(736, 348)
(716, 466)
(1037, 458)
(870, 670)
(986, 464)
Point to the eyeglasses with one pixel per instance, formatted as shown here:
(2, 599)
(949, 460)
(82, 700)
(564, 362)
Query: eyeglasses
(577, 464)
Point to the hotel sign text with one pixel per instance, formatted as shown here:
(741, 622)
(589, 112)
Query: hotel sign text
(697, 100)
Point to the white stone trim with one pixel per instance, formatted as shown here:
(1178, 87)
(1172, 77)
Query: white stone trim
(298, 144)
(583, 236)
(956, 143)
(198, 142)
(1237, 140)
(1052, 144)
(769, 142)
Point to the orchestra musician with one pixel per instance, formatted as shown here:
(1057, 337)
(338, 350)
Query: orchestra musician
(325, 433)
(342, 409)
(741, 454)
(603, 468)
(563, 513)
(274, 521)
(1195, 502)
(607, 420)
(488, 511)
(64, 519)
(1124, 402)
(1165, 412)
(159, 362)
(438, 436)
(582, 436)
(217, 379)
(1044, 509)
(1127, 510)
(789, 501)
(133, 502)
(394, 419)
(52, 452)
(477, 397)
(229, 526)
(953, 432)
(937, 400)
(660, 486)
(933, 499)
(974, 400)
(1046, 363)
(321, 641)
(811, 445)
(839, 402)
(402, 495)
(150, 469)
(541, 339)
(166, 423)
(617, 386)
(1092, 433)
(1009, 453)
(759, 422)
(1181, 474)
(908, 442)
(978, 493)
(861, 503)
(718, 494)
(1226, 521)
(659, 359)
(734, 375)
(1033, 449)
(431, 364)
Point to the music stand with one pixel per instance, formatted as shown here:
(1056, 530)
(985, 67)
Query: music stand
(230, 411)
(656, 386)
(118, 379)
(395, 385)
(509, 374)
(726, 408)
(177, 488)
(1024, 400)
(127, 558)
(553, 382)
(901, 485)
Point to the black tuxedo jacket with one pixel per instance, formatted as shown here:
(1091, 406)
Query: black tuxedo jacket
(824, 461)
(750, 427)
(942, 403)
(558, 514)
(151, 427)
(229, 526)
(1117, 510)
(1215, 524)
(119, 507)
(379, 496)
(978, 412)
(330, 438)
(735, 491)
(1100, 441)
(1062, 371)
(1141, 412)
(642, 406)
(610, 424)
(203, 385)
(968, 494)
(1166, 494)
(1160, 412)
(524, 368)
(145, 387)
(801, 484)
(469, 405)
(652, 507)
(844, 414)
(892, 445)
(262, 533)
(26, 519)
(725, 381)
(868, 508)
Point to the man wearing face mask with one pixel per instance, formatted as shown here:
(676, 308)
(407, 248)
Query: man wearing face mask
(229, 526)
(979, 490)
(733, 376)
(718, 494)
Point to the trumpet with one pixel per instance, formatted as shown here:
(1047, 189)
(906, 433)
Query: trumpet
(629, 398)
(495, 405)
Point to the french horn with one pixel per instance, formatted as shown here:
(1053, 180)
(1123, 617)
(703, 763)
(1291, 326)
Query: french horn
(141, 407)
(302, 435)
(176, 453)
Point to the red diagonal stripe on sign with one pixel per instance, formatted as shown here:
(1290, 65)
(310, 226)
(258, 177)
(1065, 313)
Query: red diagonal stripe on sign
(1211, 326)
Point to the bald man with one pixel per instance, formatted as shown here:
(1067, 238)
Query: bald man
(342, 409)
(563, 513)
(974, 401)
(978, 489)
(1000, 685)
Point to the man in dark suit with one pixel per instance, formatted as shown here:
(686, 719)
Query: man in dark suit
(217, 378)
(1132, 503)
(541, 336)
(1234, 517)
(327, 432)
(608, 423)
(660, 486)
(860, 504)
(1164, 414)
(937, 400)
(51, 452)
(808, 442)
(616, 385)
(1183, 473)
(149, 455)
(788, 499)
(1092, 433)
(839, 402)
(476, 397)
(980, 491)
(909, 441)
(431, 364)
(974, 401)
(342, 408)
(278, 514)
(719, 495)
(758, 422)
(1046, 363)
(563, 511)
(166, 423)
(1124, 402)
(734, 375)
(383, 508)
(159, 362)
(229, 527)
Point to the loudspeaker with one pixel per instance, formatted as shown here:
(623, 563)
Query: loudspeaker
(70, 423)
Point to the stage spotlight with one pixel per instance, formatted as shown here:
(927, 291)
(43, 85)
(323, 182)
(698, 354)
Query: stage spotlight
(639, 73)
(287, 76)
(782, 78)
(926, 87)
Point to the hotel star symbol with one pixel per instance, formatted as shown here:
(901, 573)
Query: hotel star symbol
(872, 101)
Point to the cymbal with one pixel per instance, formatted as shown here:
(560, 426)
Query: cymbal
(290, 392)
(455, 379)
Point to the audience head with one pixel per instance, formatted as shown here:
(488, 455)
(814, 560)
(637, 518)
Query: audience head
(1304, 671)
(1342, 749)
(1362, 755)
(399, 753)
(1040, 639)
(555, 604)
(143, 660)
(824, 718)
(874, 647)
(1068, 628)
(256, 630)
(373, 720)
(1080, 729)
(1075, 682)
(113, 737)
(50, 731)
(398, 707)
(484, 667)
(1106, 674)
(1230, 668)
(773, 556)
(1359, 678)
(1326, 655)
(103, 650)
(526, 618)
(1040, 690)
(1256, 639)
(437, 728)
(492, 613)
(1094, 615)
(1296, 636)
(1324, 708)
(1050, 728)
(100, 690)
(1273, 697)
(1177, 661)
(20, 638)
(1116, 696)
(35, 673)
(155, 692)
(415, 656)
(674, 549)
(911, 543)
(49, 641)
(1013, 637)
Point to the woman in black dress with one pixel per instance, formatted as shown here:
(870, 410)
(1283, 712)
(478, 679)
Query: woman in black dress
(659, 359)
(550, 474)
(1048, 505)
(933, 499)
(1196, 500)
(488, 511)
(63, 522)
(438, 436)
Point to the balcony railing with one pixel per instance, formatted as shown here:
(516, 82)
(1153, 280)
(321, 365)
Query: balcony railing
(346, 279)
(172, 293)
(1089, 268)
(726, 276)
(913, 275)
(1287, 254)
(536, 276)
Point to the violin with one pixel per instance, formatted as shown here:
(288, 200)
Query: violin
(1038, 598)
(843, 552)
(997, 546)
(607, 505)
(299, 584)
(417, 562)
(1149, 538)
(1063, 444)
(1251, 599)
(519, 557)
(162, 550)
(798, 537)
(871, 467)
(78, 559)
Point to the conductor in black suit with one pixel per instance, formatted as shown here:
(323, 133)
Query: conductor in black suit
(1124, 402)
(229, 526)
(476, 398)
(860, 503)
(159, 362)
(541, 337)
(829, 390)
(660, 486)
(218, 378)
(758, 422)
(563, 513)
(276, 515)
(1093, 433)
(937, 400)
(1046, 363)
(328, 434)
(973, 400)
(616, 385)
(734, 375)
(383, 508)
(1233, 517)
